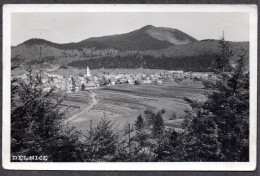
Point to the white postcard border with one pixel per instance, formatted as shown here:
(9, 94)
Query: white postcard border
(161, 166)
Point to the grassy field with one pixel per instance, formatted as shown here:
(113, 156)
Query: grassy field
(74, 101)
(123, 103)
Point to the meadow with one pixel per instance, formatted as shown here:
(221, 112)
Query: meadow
(123, 103)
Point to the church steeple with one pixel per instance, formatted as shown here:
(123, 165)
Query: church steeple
(88, 72)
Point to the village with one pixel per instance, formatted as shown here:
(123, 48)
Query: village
(86, 81)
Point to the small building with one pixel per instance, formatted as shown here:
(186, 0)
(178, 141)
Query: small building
(68, 89)
(131, 81)
(147, 81)
(158, 82)
(63, 88)
(112, 81)
(90, 79)
(104, 81)
(77, 85)
(58, 87)
(176, 72)
(82, 80)
(46, 87)
(120, 81)
(90, 85)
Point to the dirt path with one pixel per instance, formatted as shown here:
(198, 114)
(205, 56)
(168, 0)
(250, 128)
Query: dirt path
(87, 109)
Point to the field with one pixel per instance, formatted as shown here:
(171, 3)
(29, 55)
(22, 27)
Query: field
(123, 103)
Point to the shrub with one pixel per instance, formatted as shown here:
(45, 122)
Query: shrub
(174, 116)
(63, 67)
(138, 82)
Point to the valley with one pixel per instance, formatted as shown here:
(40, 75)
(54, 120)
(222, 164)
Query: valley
(123, 103)
(148, 68)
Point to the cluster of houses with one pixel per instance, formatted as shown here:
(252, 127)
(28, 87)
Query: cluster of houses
(191, 75)
(74, 83)
(65, 83)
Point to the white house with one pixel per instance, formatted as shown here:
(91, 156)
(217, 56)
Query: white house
(176, 72)
(147, 81)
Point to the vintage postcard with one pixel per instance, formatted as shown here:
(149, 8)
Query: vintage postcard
(129, 87)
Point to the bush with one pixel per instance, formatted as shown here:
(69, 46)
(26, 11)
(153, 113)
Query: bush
(81, 74)
(82, 87)
(138, 82)
(178, 80)
(174, 116)
(196, 78)
(63, 67)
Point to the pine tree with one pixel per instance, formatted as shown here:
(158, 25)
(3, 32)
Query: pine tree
(142, 133)
(201, 139)
(101, 142)
(158, 125)
(139, 123)
(68, 147)
(219, 129)
(33, 120)
(229, 105)
(223, 119)
(158, 129)
(37, 122)
(222, 58)
(15, 62)
(149, 115)
(172, 147)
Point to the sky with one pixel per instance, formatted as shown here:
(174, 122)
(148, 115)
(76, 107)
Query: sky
(60, 27)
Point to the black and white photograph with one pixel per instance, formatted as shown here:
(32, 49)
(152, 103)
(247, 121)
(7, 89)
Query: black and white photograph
(129, 87)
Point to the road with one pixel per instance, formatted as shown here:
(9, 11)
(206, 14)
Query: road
(87, 109)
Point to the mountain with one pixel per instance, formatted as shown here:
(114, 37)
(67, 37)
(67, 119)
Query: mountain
(156, 42)
(173, 36)
(146, 38)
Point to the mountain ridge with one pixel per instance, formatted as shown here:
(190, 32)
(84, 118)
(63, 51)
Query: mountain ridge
(142, 39)
(157, 42)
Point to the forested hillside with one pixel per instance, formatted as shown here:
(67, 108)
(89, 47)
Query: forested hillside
(196, 63)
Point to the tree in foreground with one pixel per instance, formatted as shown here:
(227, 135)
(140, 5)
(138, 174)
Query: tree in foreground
(142, 133)
(222, 58)
(201, 139)
(139, 123)
(37, 126)
(222, 121)
(101, 142)
(229, 105)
